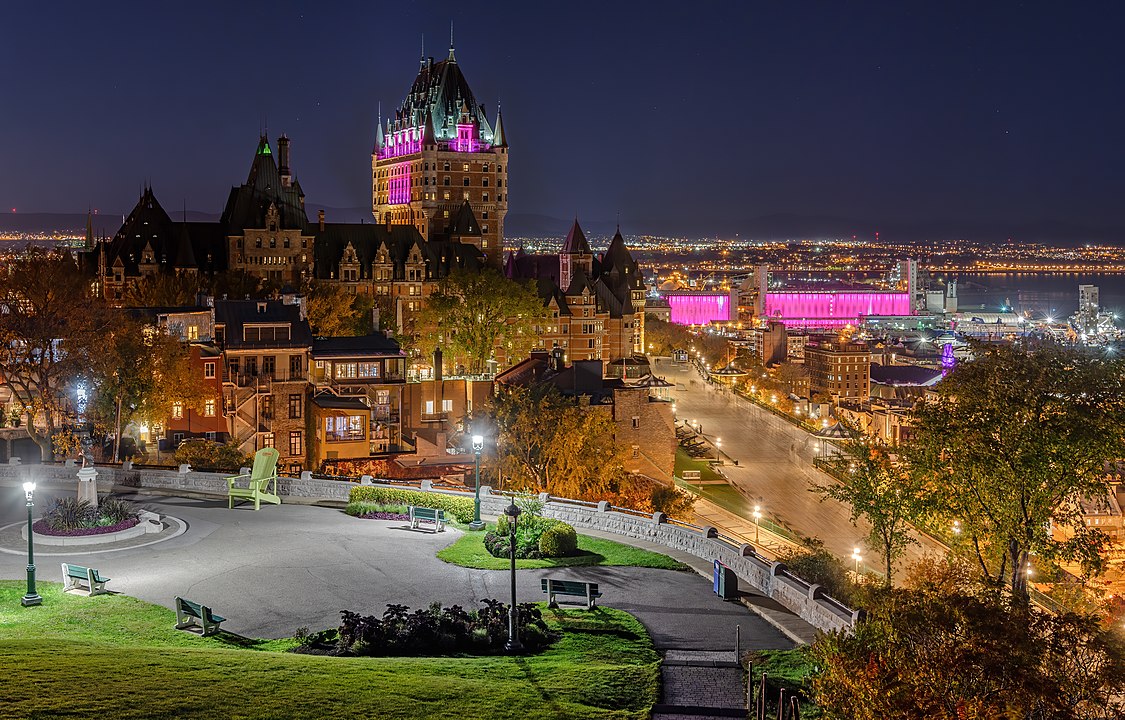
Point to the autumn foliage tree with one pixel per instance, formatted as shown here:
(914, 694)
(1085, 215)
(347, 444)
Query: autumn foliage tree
(51, 328)
(1014, 442)
(879, 491)
(471, 312)
(549, 443)
(967, 653)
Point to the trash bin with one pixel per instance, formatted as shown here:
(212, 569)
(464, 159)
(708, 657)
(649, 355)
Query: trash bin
(726, 582)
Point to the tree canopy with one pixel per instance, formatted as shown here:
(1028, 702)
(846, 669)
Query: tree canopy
(967, 653)
(470, 313)
(52, 326)
(879, 491)
(1014, 442)
(335, 311)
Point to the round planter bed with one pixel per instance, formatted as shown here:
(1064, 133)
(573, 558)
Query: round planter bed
(93, 536)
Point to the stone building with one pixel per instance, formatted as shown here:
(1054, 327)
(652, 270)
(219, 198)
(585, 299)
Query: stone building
(596, 304)
(437, 152)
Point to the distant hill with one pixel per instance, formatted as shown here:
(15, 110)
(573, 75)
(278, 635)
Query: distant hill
(776, 226)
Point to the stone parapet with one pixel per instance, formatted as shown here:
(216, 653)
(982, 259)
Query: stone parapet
(807, 601)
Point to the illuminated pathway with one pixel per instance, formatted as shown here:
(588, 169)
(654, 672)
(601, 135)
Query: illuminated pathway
(281, 568)
(774, 465)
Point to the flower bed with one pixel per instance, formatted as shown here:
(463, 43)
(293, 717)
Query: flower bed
(42, 527)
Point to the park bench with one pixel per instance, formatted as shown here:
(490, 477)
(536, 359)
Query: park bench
(74, 575)
(261, 482)
(423, 514)
(574, 588)
(190, 613)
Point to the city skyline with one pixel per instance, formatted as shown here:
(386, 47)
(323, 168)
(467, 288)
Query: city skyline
(992, 118)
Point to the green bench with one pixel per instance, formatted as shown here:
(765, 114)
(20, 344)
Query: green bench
(261, 483)
(74, 575)
(420, 515)
(190, 613)
(575, 588)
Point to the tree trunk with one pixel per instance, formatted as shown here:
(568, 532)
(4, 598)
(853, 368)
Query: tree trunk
(1019, 571)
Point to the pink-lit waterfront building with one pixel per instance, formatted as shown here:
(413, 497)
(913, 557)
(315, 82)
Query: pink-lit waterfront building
(793, 308)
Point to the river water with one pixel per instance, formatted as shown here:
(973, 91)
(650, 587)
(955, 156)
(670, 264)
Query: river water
(1049, 293)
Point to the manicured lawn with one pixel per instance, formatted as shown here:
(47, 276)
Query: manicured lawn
(118, 657)
(469, 552)
(687, 462)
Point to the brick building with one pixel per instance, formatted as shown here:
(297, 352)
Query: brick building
(839, 370)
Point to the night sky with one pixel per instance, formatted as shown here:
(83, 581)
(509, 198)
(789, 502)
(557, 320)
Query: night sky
(684, 117)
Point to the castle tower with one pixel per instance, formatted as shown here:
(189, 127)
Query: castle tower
(438, 151)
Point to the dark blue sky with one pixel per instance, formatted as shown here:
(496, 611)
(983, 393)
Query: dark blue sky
(694, 117)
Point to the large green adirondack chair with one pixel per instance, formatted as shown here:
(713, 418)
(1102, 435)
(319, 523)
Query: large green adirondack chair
(262, 480)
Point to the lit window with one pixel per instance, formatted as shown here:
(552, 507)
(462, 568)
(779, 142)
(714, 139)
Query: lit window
(193, 333)
(209, 370)
(178, 410)
(209, 408)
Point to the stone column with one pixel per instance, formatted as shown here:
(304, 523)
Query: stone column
(88, 485)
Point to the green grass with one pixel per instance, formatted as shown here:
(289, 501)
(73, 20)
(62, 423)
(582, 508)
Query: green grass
(789, 669)
(114, 656)
(469, 551)
(687, 462)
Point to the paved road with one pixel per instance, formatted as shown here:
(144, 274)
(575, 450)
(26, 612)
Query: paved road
(774, 463)
(281, 568)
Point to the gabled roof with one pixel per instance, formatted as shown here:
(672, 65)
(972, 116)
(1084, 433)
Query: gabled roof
(441, 94)
(396, 243)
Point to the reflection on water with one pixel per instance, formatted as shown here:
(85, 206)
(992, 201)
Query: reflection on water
(1049, 293)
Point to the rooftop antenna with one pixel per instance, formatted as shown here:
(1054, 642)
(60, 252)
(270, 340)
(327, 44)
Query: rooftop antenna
(423, 56)
(451, 57)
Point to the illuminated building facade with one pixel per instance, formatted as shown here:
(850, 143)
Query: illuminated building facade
(437, 152)
(839, 370)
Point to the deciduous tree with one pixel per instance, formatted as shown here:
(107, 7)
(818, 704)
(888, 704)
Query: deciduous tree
(470, 313)
(879, 491)
(1015, 440)
(51, 328)
(968, 654)
(162, 290)
(335, 311)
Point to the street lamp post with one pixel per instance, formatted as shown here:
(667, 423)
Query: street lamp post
(718, 448)
(857, 557)
(32, 597)
(757, 520)
(477, 523)
(513, 645)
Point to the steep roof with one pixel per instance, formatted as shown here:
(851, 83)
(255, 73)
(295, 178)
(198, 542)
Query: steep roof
(248, 204)
(576, 241)
(395, 243)
(465, 224)
(148, 228)
(441, 92)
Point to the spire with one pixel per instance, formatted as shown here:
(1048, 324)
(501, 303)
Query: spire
(422, 60)
(429, 137)
(451, 58)
(379, 141)
(498, 132)
(89, 230)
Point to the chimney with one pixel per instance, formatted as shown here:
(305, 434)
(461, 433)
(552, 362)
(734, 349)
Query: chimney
(320, 219)
(283, 161)
(437, 364)
(557, 362)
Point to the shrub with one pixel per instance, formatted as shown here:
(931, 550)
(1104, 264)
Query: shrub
(70, 514)
(672, 501)
(558, 540)
(204, 454)
(460, 508)
(115, 510)
(360, 509)
(438, 630)
(820, 567)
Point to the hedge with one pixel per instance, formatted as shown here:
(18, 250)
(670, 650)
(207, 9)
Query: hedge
(459, 508)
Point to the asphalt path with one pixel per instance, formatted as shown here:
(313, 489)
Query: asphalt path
(775, 465)
(281, 568)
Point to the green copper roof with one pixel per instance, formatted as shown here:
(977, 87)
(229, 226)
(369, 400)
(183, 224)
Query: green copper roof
(264, 147)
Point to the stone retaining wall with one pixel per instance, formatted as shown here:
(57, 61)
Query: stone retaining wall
(772, 579)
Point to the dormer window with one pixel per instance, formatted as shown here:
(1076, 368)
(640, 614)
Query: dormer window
(261, 307)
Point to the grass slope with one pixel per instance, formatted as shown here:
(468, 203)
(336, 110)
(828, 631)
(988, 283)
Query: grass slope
(115, 656)
(469, 551)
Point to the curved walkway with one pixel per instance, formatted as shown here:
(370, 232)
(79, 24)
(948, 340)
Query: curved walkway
(292, 566)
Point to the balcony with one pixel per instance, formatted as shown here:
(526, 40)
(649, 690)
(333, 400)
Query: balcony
(259, 378)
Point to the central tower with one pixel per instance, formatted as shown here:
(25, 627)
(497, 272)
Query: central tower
(438, 152)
